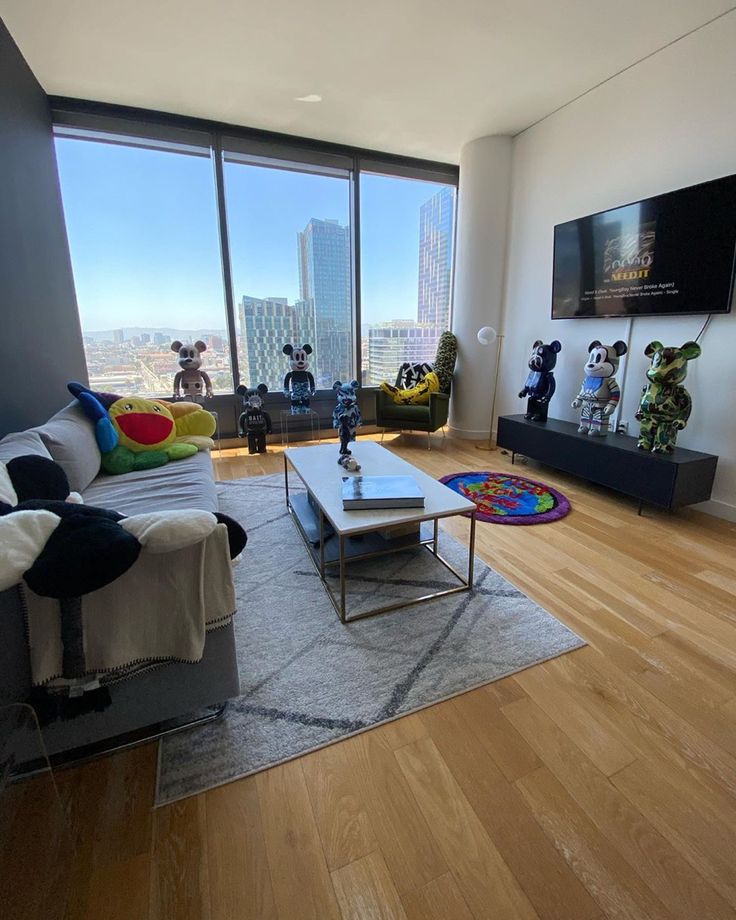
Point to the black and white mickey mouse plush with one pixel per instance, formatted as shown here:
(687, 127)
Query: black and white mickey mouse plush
(254, 422)
(65, 550)
(299, 382)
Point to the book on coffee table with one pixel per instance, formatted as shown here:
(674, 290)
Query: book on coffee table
(360, 493)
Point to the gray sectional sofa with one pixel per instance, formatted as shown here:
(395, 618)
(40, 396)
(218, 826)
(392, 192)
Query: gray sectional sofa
(170, 691)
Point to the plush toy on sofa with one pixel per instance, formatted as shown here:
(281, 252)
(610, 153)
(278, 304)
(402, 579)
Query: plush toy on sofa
(299, 382)
(665, 406)
(254, 422)
(191, 382)
(346, 416)
(65, 550)
(540, 383)
(599, 393)
(134, 433)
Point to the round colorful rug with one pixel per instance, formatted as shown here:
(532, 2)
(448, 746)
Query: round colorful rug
(504, 499)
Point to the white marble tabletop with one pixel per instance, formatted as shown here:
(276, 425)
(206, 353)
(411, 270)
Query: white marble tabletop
(318, 468)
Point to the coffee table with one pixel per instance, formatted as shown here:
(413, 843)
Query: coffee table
(318, 469)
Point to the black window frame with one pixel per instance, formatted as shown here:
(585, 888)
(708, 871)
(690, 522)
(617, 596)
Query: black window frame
(124, 124)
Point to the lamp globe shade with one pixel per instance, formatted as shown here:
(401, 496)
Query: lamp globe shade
(487, 335)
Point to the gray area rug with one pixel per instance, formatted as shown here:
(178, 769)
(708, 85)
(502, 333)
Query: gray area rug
(307, 680)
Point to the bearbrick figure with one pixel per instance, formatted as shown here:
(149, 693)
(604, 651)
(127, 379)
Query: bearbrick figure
(665, 405)
(191, 382)
(599, 393)
(299, 383)
(254, 422)
(540, 383)
(346, 415)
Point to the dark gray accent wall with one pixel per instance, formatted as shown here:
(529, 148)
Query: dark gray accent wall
(39, 322)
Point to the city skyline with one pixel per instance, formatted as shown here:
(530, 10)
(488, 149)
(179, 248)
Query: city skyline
(142, 227)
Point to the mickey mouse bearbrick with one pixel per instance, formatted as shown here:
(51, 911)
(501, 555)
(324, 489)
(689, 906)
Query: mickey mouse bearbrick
(346, 418)
(65, 550)
(665, 406)
(254, 421)
(190, 381)
(599, 393)
(540, 383)
(299, 383)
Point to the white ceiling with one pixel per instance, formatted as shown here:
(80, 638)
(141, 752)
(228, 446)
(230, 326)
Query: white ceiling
(416, 77)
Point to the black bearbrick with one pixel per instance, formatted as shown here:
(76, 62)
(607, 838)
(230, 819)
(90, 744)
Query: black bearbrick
(254, 422)
(540, 383)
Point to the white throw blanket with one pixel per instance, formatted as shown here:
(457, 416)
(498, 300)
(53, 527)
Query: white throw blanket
(160, 610)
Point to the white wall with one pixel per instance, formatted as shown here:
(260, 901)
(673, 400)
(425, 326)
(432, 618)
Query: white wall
(666, 123)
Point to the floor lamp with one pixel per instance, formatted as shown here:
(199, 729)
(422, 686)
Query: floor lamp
(487, 336)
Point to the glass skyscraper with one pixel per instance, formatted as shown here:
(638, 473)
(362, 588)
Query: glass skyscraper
(324, 286)
(266, 325)
(436, 221)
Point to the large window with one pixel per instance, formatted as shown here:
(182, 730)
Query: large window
(142, 227)
(290, 250)
(317, 244)
(406, 236)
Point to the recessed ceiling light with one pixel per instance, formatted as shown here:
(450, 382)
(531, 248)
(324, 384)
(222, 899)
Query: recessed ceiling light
(312, 97)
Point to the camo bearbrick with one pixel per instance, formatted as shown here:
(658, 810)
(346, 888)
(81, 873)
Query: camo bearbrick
(599, 393)
(665, 405)
(346, 415)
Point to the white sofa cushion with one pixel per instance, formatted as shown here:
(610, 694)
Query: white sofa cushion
(22, 443)
(70, 438)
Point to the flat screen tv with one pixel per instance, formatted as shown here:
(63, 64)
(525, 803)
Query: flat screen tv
(671, 254)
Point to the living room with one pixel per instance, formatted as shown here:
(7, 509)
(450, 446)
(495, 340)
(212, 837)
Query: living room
(224, 692)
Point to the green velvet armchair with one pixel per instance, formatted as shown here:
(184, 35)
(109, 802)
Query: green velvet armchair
(422, 418)
(413, 418)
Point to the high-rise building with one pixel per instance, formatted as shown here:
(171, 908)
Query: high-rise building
(391, 344)
(160, 338)
(145, 338)
(266, 325)
(326, 302)
(118, 336)
(435, 258)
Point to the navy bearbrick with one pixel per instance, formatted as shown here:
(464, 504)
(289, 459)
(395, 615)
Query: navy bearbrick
(540, 384)
(254, 422)
(346, 415)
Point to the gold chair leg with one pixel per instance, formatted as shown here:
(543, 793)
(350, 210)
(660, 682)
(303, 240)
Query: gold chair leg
(429, 441)
(383, 432)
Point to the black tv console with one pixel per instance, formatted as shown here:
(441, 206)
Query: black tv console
(670, 481)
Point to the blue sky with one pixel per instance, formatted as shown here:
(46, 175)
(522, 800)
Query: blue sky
(143, 235)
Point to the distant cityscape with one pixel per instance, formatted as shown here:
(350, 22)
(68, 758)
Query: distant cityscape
(139, 361)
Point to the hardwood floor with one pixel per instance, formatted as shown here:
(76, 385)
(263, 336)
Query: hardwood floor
(601, 784)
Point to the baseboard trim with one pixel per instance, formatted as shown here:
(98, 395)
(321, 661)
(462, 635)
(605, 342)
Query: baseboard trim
(717, 509)
(464, 434)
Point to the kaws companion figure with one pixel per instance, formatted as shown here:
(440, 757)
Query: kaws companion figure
(254, 422)
(540, 384)
(299, 383)
(599, 394)
(346, 417)
(190, 381)
(665, 405)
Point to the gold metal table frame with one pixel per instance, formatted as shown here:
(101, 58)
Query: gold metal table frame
(321, 564)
